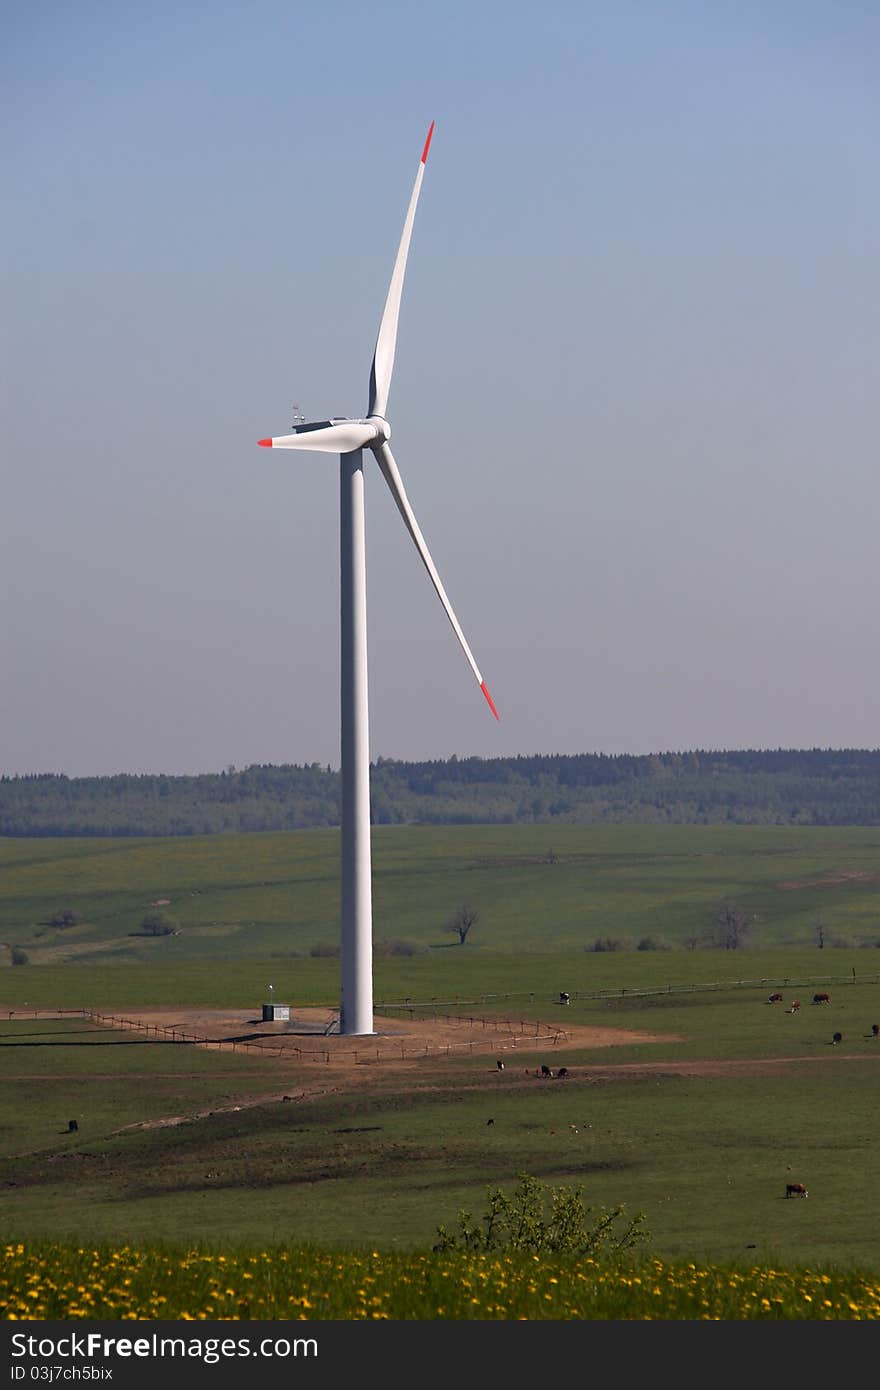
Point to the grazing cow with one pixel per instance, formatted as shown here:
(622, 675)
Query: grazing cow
(499, 1064)
(838, 1037)
(545, 1071)
(795, 1005)
(795, 1189)
(875, 1028)
(775, 999)
(564, 998)
(563, 1071)
(821, 998)
(72, 1126)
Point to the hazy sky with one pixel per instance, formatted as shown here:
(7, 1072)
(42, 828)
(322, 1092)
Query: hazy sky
(635, 402)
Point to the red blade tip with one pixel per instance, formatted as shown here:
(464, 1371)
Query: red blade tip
(485, 691)
(427, 144)
(266, 443)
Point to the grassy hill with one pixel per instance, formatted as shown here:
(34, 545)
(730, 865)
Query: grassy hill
(539, 890)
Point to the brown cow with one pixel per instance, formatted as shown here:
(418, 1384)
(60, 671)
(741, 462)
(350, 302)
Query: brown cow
(821, 998)
(795, 1189)
(795, 1005)
(775, 999)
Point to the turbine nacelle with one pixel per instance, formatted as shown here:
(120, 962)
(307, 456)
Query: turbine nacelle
(337, 436)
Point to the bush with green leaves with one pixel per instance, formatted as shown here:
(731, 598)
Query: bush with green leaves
(542, 1220)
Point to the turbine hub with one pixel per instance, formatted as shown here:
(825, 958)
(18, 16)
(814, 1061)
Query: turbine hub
(381, 425)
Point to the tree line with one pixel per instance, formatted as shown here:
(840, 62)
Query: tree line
(747, 787)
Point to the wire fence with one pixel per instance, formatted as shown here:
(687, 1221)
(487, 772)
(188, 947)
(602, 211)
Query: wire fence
(416, 1008)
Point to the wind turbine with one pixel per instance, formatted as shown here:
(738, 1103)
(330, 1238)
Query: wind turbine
(348, 438)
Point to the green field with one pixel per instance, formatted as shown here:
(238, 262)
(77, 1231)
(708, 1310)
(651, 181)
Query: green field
(385, 1159)
(705, 1157)
(275, 897)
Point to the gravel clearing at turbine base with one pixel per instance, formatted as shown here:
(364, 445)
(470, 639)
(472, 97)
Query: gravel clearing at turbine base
(308, 1036)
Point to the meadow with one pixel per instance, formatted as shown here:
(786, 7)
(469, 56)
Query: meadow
(159, 1283)
(264, 897)
(699, 1130)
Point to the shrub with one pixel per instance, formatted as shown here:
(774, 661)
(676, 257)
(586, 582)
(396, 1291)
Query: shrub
(66, 918)
(608, 943)
(381, 947)
(19, 957)
(652, 943)
(156, 924)
(542, 1220)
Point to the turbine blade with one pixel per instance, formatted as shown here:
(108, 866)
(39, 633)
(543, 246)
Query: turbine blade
(383, 357)
(385, 460)
(326, 437)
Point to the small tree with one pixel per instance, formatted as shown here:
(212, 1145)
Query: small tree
(19, 956)
(820, 932)
(461, 922)
(731, 927)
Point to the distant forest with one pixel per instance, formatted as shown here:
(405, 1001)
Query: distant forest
(782, 787)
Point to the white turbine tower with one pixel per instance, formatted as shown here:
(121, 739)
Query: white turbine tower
(348, 437)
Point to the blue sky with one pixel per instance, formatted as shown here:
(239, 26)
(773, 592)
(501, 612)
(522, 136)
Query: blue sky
(635, 401)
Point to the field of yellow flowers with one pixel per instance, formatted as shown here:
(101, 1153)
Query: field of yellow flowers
(100, 1282)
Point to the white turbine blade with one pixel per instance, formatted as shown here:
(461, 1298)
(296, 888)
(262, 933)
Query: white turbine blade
(326, 437)
(383, 357)
(385, 460)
